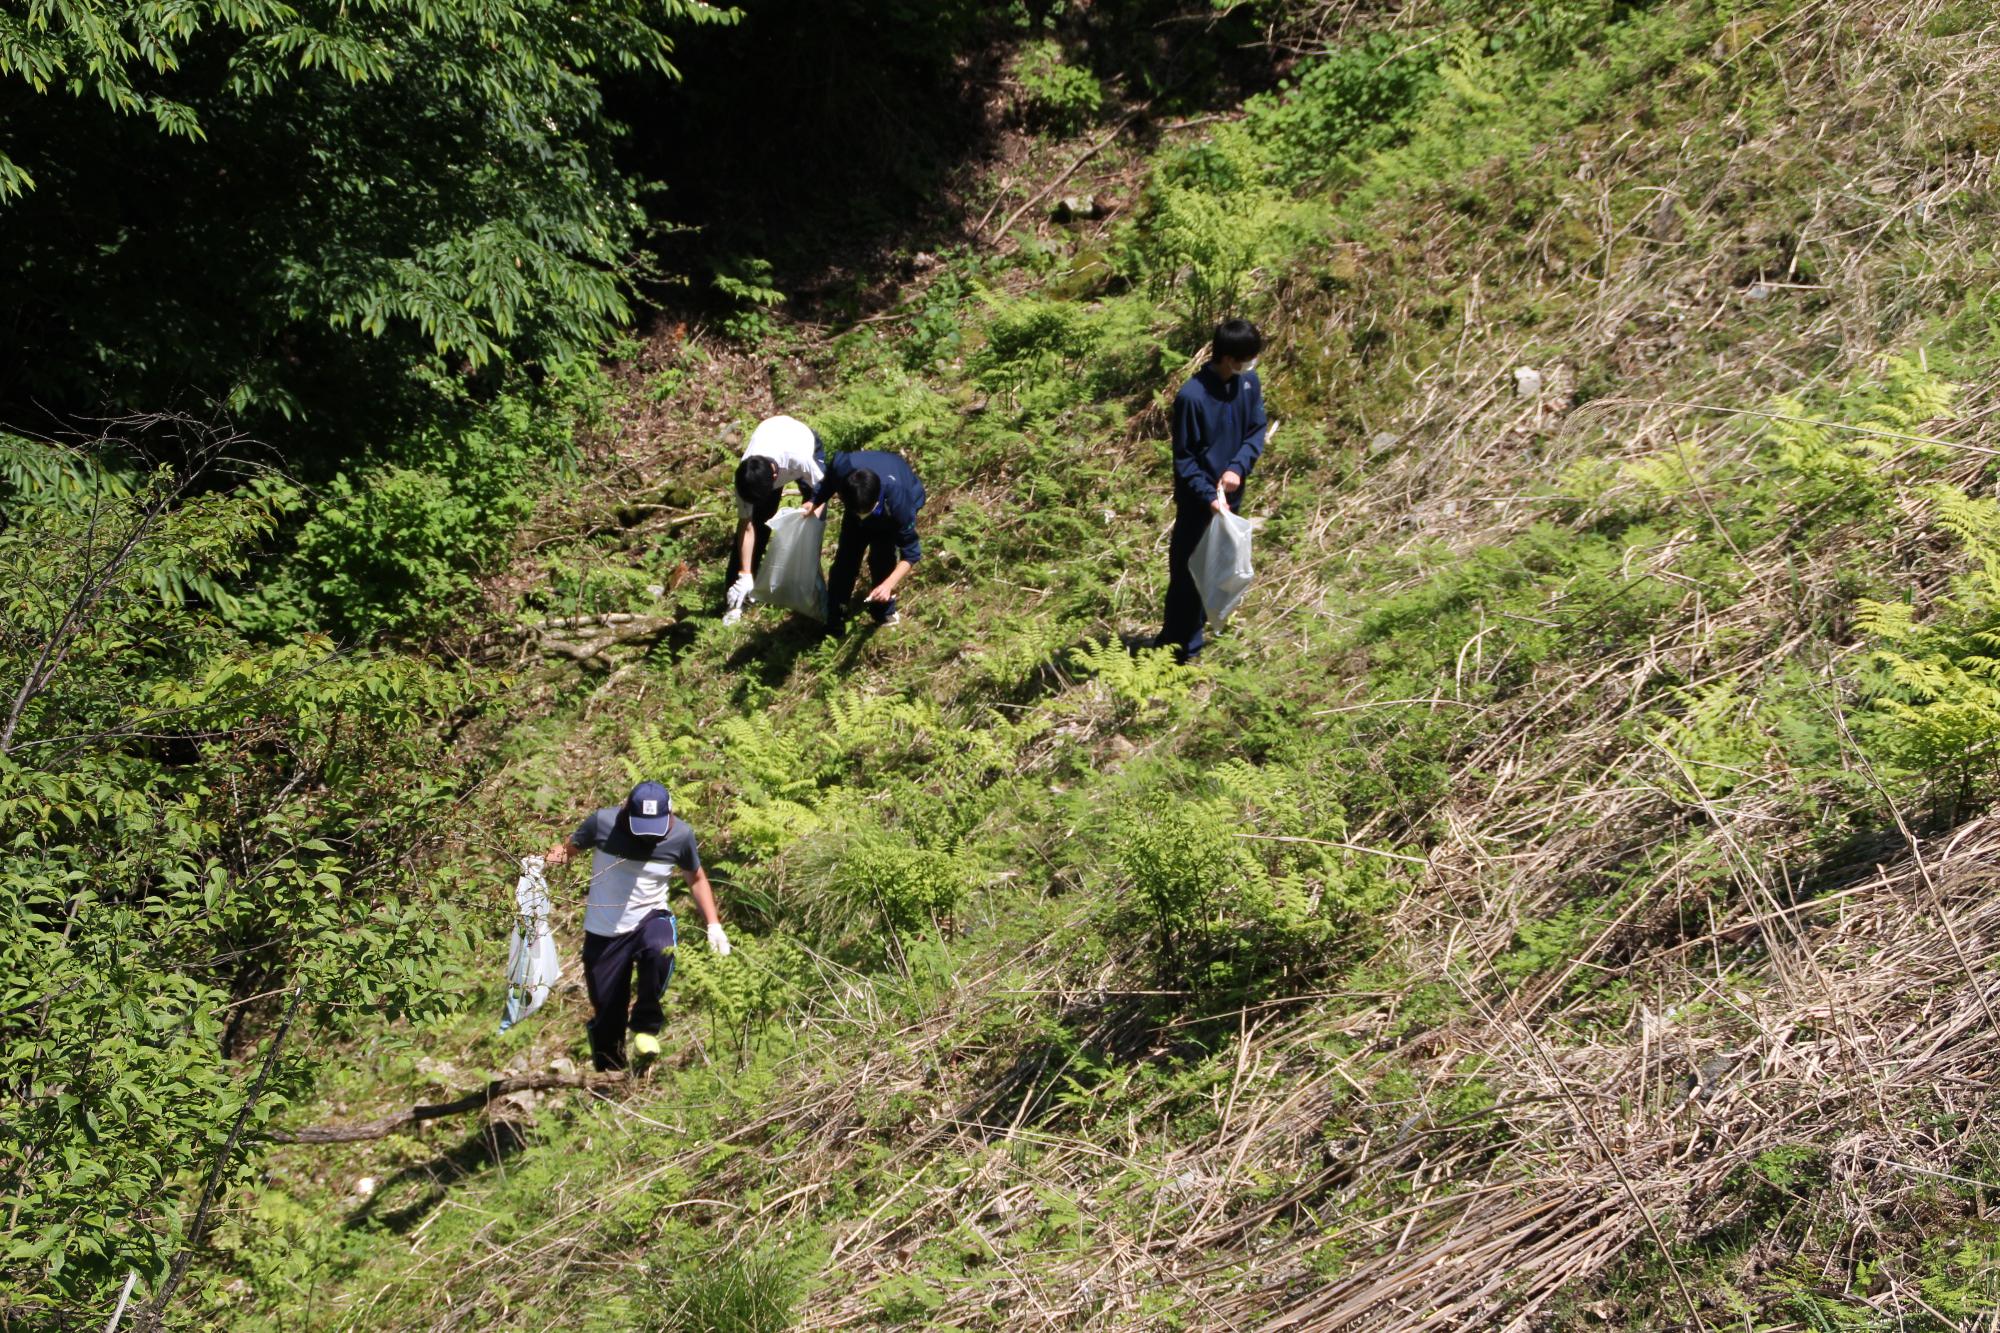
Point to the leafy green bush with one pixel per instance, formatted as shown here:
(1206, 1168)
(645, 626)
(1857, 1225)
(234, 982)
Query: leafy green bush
(336, 196)
(393, 545)
(1208, 222)
(1144, 686)
(1342, 106)
(746, 281)
(1182, 857)
(1935, 684)
(1058, 94)
(207, 860)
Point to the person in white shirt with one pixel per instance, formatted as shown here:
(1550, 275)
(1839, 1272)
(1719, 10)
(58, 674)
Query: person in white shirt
(781, 450)
(629, 933)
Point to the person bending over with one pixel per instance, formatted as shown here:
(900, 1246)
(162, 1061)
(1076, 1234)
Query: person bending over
(781, 450)
(880, 496)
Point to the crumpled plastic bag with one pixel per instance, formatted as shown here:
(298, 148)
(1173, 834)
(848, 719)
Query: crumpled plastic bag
(790, 576)
(1221, 565)
(532, 965)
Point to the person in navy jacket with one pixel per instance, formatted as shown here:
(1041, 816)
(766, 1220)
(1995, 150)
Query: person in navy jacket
(880, 495)
(1218, 427)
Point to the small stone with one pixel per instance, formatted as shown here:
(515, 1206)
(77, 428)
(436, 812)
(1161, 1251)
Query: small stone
(562, 1066)
(1758, 292)
(1527, 382)
(1383, 442)
(1074, 208)
(364, 1187)
(655, 590)
(731, 435)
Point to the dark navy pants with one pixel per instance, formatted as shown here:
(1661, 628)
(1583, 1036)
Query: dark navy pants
(1183, 626)
(878, 538)
(610, 963)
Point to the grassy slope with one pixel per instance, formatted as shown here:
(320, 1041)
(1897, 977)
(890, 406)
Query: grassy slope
(1668, 1006)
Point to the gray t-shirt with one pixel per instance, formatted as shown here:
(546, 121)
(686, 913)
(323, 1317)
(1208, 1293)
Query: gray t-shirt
(630, 875)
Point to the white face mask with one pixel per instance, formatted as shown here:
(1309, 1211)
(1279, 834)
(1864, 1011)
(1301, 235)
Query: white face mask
(1249, 365)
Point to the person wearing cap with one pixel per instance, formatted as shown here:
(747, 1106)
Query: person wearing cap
(782, 449)
(1218, 427)
(880, 496)
(629, 933)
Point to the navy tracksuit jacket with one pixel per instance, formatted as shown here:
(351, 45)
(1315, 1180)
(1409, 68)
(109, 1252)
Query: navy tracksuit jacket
(887, 533)
(1218, 427)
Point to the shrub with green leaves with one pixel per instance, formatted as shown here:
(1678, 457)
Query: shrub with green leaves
(1339, 107)
(1058, 94)
(747, 283)
(393, 544)
(335, 196)
(206, 871)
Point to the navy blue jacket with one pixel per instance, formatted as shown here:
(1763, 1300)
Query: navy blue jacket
(902, 494)
(1218, 428)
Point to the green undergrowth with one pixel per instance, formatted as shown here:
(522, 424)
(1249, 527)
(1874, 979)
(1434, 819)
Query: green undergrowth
(1013, 904)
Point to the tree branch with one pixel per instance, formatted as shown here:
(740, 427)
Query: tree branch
(471, 1101)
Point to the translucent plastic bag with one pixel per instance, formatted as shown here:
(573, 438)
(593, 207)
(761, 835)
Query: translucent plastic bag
(790, 574)
(1221, 565)
(532, 966)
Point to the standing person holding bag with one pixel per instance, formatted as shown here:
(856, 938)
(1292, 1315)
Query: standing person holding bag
(629, 933)
(1218, 427)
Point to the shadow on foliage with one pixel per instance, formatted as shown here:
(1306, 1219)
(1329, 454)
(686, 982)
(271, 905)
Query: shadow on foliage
(481, 1150)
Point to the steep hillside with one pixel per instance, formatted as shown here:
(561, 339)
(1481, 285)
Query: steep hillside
(1561, 898)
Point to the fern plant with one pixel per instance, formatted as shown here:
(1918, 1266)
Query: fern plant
(1936, 682)
(1143, 686)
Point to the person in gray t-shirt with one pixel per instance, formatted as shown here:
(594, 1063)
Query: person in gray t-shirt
(629, 931)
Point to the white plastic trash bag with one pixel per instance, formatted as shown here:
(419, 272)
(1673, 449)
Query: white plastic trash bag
(532, 966)
(790, 575)
(1221, 565)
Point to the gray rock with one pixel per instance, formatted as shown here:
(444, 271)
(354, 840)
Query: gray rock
(1527, 382)
(1075, 208)
(1382, 442)
(1758, 292)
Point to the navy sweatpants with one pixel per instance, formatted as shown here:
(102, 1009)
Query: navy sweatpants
(1183, 626)
(610, 963)
(877, 537)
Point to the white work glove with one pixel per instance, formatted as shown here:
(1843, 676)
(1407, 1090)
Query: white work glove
(739, 591)
(532, 865)
(717, 941)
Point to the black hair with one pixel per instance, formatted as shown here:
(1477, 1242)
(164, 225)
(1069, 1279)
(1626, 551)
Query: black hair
(861, 489)
(1237, 339)
(757, 480)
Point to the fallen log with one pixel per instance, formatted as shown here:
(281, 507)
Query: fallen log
(416, 1115)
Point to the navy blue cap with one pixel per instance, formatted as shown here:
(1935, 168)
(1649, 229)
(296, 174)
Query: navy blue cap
(649, 810)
